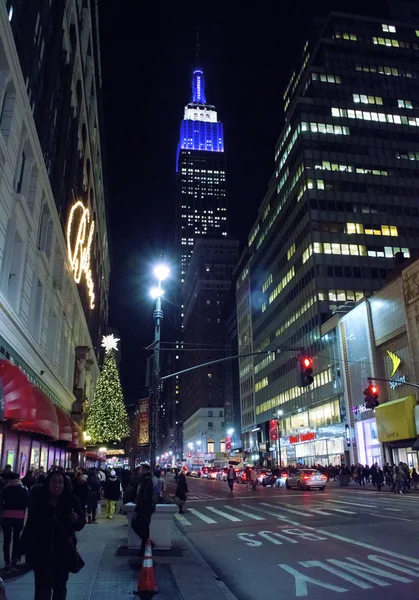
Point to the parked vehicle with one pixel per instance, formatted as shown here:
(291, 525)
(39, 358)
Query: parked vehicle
(262, 473)
(222, 474)
(277, 479)
(212, 473)
(306, 479)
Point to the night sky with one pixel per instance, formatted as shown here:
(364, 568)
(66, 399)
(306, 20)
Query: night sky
(148, 53)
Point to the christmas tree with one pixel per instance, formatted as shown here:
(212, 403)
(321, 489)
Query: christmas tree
(108, 420)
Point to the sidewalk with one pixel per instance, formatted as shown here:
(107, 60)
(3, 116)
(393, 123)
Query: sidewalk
(367, 487)
(109, 575)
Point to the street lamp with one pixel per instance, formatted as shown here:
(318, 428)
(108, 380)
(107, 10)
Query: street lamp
(278, 441)
(161, 272)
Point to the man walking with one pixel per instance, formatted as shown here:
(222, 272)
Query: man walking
(14, 501)
(145, 506)
(231, 476)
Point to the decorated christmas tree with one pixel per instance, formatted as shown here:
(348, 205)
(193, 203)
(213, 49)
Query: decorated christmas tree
(108, 420)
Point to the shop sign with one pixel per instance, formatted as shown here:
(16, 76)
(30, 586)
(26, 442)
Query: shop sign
(143, 421)
(262, 447)
(80, 230)
(307, 437)
(273, 430)
(294, 439)
(395, 364)
(358, 410)
(348, 436)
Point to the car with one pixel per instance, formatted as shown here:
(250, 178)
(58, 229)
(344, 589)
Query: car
(222, 474)
(212, 473)
(194, 472)
(306, 479)
(262, 473)
(241, 476)
(204, 472)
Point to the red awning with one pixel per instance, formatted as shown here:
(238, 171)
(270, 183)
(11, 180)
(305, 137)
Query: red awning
(18, 398)
(65, 429)
(78, 438)
(45, 421)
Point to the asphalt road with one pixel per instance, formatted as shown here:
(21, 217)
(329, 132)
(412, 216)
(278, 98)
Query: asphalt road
(271, 544)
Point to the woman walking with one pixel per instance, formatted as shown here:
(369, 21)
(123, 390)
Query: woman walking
(181, 491)
(49, 540)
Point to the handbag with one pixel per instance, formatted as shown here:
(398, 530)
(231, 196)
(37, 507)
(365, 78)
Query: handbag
(74, 561)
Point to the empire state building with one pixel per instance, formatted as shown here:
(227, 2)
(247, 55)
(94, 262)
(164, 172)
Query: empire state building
(201, 174)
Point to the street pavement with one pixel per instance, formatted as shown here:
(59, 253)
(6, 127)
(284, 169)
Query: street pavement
(272, 543)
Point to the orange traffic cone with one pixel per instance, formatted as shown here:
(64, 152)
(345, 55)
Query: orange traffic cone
(147, 581)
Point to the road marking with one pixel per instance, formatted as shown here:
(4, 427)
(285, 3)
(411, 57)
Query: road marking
(301, 581)
(223, 514)
(320, 512)
(367, 571)
(246, 514)
(272, 536)
(392, 509)
(282, 507)
(201, 516)
(346, 512)
(274, 514)
(387, 516)
(354, 580)
(182, 519)
(353, 503)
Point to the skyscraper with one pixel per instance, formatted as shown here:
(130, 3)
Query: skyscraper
(201, 173)
(340, 211)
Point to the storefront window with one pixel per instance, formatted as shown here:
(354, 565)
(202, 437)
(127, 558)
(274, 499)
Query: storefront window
(326, 414)
(299, 421)
(44, 457)
(35, 455)
(335, 446)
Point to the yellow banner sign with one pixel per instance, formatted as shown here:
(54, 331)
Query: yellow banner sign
(396, 420)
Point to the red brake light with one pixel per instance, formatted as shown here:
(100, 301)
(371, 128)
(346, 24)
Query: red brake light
(324, 477)
(305, 477)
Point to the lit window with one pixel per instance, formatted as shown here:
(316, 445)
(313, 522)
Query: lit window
(388, 28)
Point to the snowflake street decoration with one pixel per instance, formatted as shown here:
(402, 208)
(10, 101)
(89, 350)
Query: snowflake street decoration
(109, 342)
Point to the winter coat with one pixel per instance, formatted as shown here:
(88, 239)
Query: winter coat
(112, 489)
(81, 490)
(400, 476)
(231, 473)
(14, 500)
(182, 488)
(379, 477)
(145, 497)
(45, 538)
(93, 493)
(28, 482)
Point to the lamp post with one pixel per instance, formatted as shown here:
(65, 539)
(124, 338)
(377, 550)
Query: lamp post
(161, 272)
(278, 441)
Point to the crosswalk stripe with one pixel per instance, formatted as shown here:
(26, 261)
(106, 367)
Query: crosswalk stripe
(341, 510)
(392, 509)
(223, 514)
(201, 515)
(353, 503)
(282, 507)
(274, 514)
(320, 511)
(182, 520)
(246, 514)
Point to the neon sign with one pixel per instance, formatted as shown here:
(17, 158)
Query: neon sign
(79, 246)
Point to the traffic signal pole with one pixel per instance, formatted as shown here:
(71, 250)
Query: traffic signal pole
(415, 385)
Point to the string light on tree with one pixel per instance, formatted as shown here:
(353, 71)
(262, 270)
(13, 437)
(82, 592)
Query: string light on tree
(109, 342)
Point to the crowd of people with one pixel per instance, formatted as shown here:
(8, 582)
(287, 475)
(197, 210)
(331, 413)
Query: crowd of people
(41, 513)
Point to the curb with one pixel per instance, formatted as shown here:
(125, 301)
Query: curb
(222, 587)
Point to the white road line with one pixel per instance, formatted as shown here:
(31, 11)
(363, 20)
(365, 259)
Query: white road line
(320, 512)
(182, 519)
(201, 516)
(246, 514)
(300, 513)
(341, 510)
(274, 514)
(358, 504)
(387, 516)
(223, 514)
(392, 509)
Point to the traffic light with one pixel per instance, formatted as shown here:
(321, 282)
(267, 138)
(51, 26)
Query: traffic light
(371, 396)
(306, 371)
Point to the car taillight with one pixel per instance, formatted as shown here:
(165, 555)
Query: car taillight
(324, 477)
(305, 477)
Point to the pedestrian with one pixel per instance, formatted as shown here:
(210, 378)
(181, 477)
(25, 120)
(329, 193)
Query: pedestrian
(145, 507)
(29, 480)
(415, 478)
(400, 480)
(159, 487)
(373, 471)
(253, 478)
(48, 539)
(93, 497)
(112, 490)
(361, 476)
(80, 488)
(231, 477)
(379, 478)
(181, 491)
(14, 502)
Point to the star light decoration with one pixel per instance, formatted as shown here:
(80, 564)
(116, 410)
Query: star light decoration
(109, 342)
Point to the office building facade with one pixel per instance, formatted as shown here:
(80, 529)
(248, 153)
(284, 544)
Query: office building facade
(342, 208)
(54, 261)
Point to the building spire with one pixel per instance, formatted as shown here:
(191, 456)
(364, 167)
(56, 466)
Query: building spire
(198, 81)
(197, 48)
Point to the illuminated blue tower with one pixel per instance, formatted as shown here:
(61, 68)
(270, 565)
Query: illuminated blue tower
(201, 173)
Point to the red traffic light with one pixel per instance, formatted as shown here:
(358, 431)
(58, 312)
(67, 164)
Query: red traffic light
(374, 389)
(307, 362)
